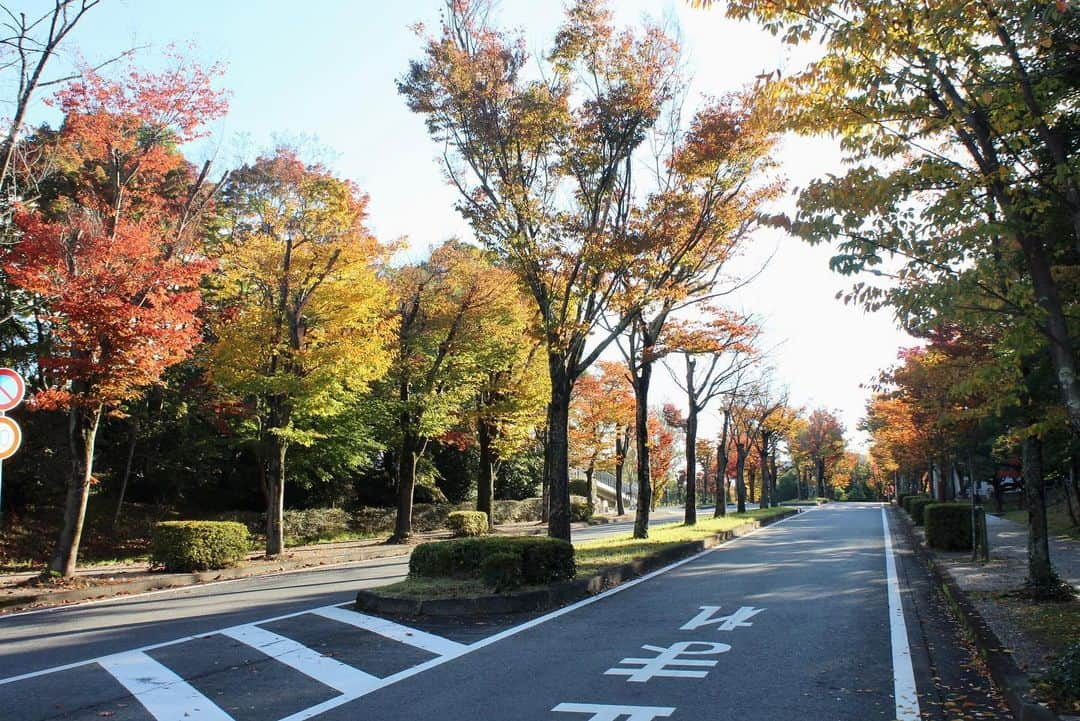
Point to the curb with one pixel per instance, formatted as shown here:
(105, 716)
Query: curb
(1014, 685)
(556, 594)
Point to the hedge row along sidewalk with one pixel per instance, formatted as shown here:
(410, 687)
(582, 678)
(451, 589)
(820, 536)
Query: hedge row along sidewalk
(601, 564)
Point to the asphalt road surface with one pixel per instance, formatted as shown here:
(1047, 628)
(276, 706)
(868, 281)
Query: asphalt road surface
(823, 616)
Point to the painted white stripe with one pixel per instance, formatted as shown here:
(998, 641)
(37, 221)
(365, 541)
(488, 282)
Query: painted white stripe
(414, 637)
(164, 694)
(513, 631)
(907, 697)
(325, 670)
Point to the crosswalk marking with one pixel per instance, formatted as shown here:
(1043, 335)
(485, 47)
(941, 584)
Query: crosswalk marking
(164, 694)
(395, 631)
(325, 670)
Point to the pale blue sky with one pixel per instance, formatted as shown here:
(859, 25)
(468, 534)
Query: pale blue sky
(326, 68)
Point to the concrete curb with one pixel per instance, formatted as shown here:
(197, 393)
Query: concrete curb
(1014, 685)
(554, 595)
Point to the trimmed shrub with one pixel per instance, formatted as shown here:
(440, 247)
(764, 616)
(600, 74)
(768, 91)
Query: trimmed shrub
(1062, 679)
(542, 560)
(316, 524)
(916, 507)
(198, 545)
(948, 526)
(502, 571)
(467, 523)
(900, 499)
(522, 511)
(908, 501)
(580, 508)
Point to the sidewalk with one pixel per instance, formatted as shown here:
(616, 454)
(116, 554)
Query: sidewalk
(1023, 629)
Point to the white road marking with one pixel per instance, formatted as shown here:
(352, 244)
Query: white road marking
(164, 694)
(603, 712)
(669, 662)
(905, 693)
(325, 670)
(395, 631)
(739, 619)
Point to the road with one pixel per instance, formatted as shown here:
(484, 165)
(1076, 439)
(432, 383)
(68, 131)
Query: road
(804, 616)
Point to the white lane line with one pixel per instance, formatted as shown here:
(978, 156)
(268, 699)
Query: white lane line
(440, 660)
(164, 694)
(327, 671)
(905, 693)
(395, 631)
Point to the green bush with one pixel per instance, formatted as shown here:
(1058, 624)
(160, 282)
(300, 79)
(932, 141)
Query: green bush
(948, 526)
(580, 508)
(198, 545)
(916, 507)
(908, 500)
(542, 560)
(900, 499)
(1062, 678)
(312, 525)
(502, 571)
(467, 523)
(578, 487)
(521, 511)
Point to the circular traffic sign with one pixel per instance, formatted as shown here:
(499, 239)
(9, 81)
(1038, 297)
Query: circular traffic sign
(12, 389)
(10, 437)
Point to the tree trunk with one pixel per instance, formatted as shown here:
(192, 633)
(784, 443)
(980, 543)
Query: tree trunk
(690, 516)
(408, 456)
(740, 477)
(275, 499)
(751, 481)
(819, 469)
(763, 459)
(485, 483)
(82, 433)
(773, 500)
(1040, 573)
(556, 452)
(641, 436)
(721, 469)
(1072, 488)
(621, 442)
(133, 435)
(590, 490)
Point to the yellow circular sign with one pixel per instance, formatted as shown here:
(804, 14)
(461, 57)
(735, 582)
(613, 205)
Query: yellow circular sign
(10, 437)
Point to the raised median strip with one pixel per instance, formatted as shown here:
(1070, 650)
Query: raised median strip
(463, 599)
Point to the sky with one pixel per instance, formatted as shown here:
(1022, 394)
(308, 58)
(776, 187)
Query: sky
(323, 73)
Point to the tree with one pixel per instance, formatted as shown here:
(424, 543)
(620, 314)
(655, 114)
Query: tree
(960, 137)
(109, 256)
(302, 308)
(542, 165)
(456, 315)
(823, 443)
(723, 346)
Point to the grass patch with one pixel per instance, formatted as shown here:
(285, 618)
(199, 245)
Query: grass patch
(1058, 522)
(591, 557)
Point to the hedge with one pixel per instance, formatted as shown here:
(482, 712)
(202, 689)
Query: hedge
(580, 508)
(467, 523)
(908, 500)
(948, 526)
(540, 560)
(917, 506)
(198, 545)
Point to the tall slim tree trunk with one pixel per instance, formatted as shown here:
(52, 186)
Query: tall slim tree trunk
(641, 436)
(740, 478)
(819, 469)
(690, 516)
(1040, 572)
(721, 469)
(773, 500)
(621, 442)
(751, 481)
(485, 483)
(275, 500)
(408, 456)
(133, 435)
(763, 459)
(590, 490)
(1072, 488)
(556, 452)
(83, 424)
